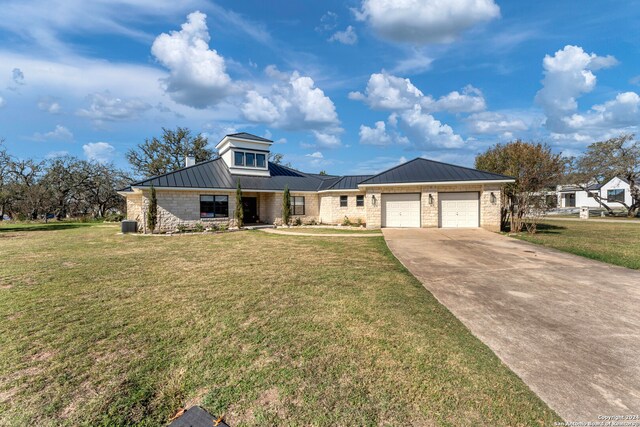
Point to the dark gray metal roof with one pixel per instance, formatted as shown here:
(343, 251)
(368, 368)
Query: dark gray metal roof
(423, 170)
(349, 182)
(215, 174)
(245, 135)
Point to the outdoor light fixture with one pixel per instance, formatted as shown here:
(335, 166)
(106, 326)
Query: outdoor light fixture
(374, 201)
(493, 197)
(431, 199)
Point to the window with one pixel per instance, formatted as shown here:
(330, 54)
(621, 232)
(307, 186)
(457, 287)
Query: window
(616, 195)
(297, 205)
(343, 201)
(250, 159)
(260, 160)
(360, 201)
(239, 158)
(214, 206)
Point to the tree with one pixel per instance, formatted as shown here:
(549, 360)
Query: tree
(323, 173)
(27, 196)
(239, 212)
(5, 160)
(286, 206)
(603, 160)
(159, 156)
(278, 159)
(534, 167)
(152, 211)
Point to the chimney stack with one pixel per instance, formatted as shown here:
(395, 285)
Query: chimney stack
(189, 161)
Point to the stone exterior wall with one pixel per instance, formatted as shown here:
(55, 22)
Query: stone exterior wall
(177, 207)
(332, 213)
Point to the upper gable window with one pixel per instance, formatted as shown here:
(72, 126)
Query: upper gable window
(260, 160)
(250, 160)
(238, 158)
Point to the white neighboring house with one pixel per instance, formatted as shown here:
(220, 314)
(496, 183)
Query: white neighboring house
(612, 192)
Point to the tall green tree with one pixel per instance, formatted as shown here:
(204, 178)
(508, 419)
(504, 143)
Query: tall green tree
(239, 212)
(603, 160)
(286, 206)
(157, 156)
(152, 210)
(535, 169)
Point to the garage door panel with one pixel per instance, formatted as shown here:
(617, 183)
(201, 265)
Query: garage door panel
(401, 210)
(459, 210)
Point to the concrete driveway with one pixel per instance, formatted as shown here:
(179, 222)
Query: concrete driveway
(568, 326)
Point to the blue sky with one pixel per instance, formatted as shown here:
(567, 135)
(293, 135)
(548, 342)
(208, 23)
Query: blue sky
(345, 86)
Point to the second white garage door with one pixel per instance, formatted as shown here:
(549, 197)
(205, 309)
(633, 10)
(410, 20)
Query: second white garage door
(459, 210)
(401, 210)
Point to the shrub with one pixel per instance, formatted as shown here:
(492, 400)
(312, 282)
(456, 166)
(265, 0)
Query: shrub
(114, 217)
(199, 227)
(223, 226)
(297, 221)
(311, 221)
(152, 212)
(359, 222)
(182, 228)
(286, 206)
(212, 227)
(346, 221)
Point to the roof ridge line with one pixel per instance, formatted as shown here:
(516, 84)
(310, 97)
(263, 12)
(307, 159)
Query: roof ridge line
(390, 169)
(462, 167)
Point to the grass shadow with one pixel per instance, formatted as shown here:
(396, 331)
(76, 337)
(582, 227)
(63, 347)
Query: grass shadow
(43, 227)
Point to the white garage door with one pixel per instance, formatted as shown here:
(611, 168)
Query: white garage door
(401, 210)
(459, 210)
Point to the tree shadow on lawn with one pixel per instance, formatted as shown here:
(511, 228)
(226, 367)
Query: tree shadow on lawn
(43, 227)
(545, 228)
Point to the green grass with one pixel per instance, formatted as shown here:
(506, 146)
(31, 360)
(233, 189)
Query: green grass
(615, 243)
(319, 230)
(98, 328)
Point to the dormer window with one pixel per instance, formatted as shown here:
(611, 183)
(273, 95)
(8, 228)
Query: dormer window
(248, 159)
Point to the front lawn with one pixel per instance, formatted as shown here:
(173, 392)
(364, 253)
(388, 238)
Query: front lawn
(105, 329)
(615, 243)
(327, 230)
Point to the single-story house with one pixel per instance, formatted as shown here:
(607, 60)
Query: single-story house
(418, 193)
(612, 192)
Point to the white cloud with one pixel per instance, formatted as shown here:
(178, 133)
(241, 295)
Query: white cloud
(101, 152)
(55, 154)
(49, 105)
(105, 107)
(568, 75)
(425, 21)
(315, 155)
(417, 62)
(387, 92)
(493, 123)
(198, 76)
(294, 104)
(2, 102)
(326, 140)
(60, 133)
(469, 101)
(424, 131)
(348, 36)
(621, 112)
(376, 135)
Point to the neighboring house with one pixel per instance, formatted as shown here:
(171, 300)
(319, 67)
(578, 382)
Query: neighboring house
(418, 193)
(612, 192)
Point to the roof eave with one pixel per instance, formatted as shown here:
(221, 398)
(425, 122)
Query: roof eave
(409, 184)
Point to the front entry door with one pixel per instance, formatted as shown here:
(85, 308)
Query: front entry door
(250, 209)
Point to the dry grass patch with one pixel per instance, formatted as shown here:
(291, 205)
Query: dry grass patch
(267, 329)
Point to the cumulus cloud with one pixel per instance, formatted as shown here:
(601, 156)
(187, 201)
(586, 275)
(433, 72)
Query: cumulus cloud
(197, 74)
(60, 133)
(621, 112)
(348, 36)
(425, 131)
(425, 21)
(568, 74)
(493, 123)
(105, 107)
(387, 92)
(315, 155)
(49, 105)
(294, 104)
(101, 152)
